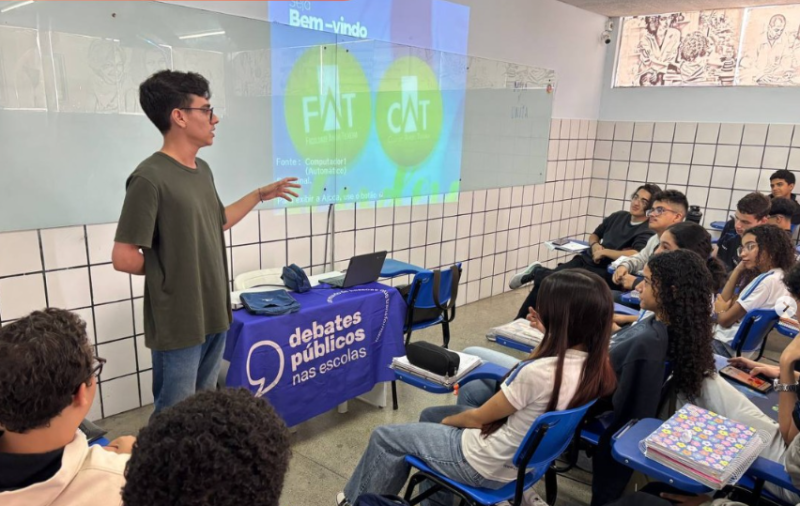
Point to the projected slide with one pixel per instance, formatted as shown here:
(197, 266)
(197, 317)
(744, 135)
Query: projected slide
(357, 113)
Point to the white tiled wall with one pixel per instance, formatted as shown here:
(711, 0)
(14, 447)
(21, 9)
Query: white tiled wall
(493, 233)
(713, 164)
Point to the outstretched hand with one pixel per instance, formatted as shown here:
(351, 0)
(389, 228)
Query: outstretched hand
(280, 189)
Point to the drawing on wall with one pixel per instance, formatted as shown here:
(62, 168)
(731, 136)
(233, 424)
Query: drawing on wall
(89, 73)
(211, 65)
(679, 49)
(21, 73)
(771, 47)
(141, 63)
(251, 70)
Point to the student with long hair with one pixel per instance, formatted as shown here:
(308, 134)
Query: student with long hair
(692, 237)
(677, 290)
(765, 254)
(476, 446)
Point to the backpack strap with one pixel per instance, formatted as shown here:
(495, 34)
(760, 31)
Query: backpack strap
(451, 304)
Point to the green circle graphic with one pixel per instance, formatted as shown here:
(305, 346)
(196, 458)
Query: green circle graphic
(408, 111)
(328, 105)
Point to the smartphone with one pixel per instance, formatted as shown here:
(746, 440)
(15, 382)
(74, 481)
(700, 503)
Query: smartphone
(740, 376)
(561, 242)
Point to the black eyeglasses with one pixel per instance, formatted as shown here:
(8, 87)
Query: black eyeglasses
(658, 211)
(209, 110)
(97, 370)
(636, 197)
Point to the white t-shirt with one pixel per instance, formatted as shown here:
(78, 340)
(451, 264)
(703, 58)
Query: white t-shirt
(528, 389)
(761, 293)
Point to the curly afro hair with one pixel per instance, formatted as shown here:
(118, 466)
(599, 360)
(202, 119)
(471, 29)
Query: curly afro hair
(682, 286)
(44, 358)
(775, 245)
(216, 448)
(693, 46)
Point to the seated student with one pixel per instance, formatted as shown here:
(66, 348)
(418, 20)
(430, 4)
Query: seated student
(220, 448)
(751, 210)
(677, 289)
(48, 381)
(781, 213)
(788, 443)
(766, 252)
(476, 446)
(781, 184)
(791, 279)
(621, 234)
(689, 236)
(669, 207)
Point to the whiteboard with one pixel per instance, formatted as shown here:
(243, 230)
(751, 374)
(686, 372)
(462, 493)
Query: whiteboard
(71, 129)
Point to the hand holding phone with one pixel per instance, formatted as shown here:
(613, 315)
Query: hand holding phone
(744, 378)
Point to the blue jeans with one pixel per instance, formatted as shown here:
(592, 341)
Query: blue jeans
(383, 469)
(178, 374)
(475, 393)
(724, 350)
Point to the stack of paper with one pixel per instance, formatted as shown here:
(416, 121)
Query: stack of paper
(705, 446)
(572, 246)
(467, 364)
(519, 331)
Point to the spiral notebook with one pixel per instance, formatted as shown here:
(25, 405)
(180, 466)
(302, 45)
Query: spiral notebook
(705, 446)
(466, 364)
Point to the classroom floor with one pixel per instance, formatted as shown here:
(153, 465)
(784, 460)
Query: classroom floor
(327, 448)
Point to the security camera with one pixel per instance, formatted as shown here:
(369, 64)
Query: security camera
(610, 25)
(605, 38)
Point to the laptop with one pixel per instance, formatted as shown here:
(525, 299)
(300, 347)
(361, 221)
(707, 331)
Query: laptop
(362, 269)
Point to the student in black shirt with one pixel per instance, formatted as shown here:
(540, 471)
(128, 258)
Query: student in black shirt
(751, 210)
(781, 184)
(677, 289)
(622, 233)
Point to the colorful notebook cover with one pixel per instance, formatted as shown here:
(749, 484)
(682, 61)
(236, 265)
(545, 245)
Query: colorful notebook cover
(705, 446)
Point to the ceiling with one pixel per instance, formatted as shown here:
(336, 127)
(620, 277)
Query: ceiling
(613, 8)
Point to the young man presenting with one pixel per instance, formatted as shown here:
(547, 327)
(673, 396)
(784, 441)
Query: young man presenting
(173, 214)
(48, 381)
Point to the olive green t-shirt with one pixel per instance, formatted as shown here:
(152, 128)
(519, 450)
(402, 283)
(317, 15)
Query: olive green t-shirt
(174, 214)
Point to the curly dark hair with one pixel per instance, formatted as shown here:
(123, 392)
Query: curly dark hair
(754, 203)
(44, 358)
(216, 448)
(167, 90)
(775, 244)
(791, 279)
(691, 236)
(693, 46)
(682, 286)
